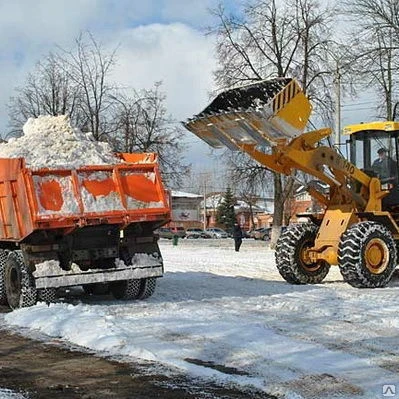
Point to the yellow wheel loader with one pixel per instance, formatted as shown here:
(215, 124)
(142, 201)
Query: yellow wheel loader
(358, 230)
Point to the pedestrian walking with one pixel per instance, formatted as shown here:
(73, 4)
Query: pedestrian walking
(237, 235)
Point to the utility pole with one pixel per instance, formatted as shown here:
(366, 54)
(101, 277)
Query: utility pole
(337, 105)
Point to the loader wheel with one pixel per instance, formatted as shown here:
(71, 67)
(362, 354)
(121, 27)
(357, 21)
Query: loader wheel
(126, 289)
(147, 287)
(19, 282)
(3, 258)
(48, 295)
(290, 260)
(367, 255)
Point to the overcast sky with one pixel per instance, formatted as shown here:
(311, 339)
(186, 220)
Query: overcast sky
(156, 39)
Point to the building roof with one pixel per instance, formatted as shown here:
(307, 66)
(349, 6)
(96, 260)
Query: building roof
(181, 194)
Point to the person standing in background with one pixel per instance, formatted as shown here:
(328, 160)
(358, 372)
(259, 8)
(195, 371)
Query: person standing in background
(237, 235)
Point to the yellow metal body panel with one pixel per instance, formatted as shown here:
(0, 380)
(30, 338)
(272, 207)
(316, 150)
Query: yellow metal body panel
(387, 126)
(278, 123)
(335, 222)
(289, 113)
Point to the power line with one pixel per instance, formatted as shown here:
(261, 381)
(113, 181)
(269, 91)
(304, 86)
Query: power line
(357, 109)
(353, 104)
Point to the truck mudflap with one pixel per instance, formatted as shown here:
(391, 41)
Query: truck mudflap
(49, 274)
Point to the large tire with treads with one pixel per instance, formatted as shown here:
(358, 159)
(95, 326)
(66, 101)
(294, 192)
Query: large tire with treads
(147, 287)
(367, 255)
(3, 259)
(19, 282)
(290, 260)
(126, 289)
(48, 295)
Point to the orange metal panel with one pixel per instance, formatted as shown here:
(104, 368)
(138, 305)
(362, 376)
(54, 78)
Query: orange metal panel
(53, 198)
(140, 187)
(139, 157)
(10, 168)
(99, 187)
(50, 195)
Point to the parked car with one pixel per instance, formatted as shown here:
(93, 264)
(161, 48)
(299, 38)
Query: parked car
(254, 231)
(263, 234)
(178, 231)
(164, 232)
(246, 234)
(215, 232)
(170, 232)
(197, 233)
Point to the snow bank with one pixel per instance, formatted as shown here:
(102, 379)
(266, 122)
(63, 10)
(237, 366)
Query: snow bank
(51, 141)
(229, 316)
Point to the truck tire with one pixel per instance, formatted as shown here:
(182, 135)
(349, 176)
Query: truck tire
(19, 282)
(126, 289)
(48, 295)
(289, 256)
(147, 287)
(367, 255)
(3, 259)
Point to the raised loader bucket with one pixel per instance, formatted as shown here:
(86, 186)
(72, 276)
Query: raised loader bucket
(263, 113)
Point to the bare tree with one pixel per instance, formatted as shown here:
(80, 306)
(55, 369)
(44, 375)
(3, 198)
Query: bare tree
(76, 82)
(375, 49)
(48, 91)
(142, 124)
(88, 66)
(272, 39)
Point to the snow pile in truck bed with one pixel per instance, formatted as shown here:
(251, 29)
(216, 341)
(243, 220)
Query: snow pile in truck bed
(51, 141)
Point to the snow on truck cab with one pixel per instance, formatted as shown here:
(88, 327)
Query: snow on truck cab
(84, 217)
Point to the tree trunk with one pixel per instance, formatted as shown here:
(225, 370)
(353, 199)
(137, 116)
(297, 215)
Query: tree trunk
(278, 210)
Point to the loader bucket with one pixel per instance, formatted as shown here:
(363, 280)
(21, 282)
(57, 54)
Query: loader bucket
(263, 113)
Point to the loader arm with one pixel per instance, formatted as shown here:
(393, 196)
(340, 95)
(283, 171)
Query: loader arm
(325, 164)
(273, 114)
(267, 121)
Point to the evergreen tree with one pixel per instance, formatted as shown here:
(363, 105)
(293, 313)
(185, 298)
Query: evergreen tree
(225, 214)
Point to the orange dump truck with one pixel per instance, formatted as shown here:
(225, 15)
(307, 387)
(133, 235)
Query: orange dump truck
(91, 226)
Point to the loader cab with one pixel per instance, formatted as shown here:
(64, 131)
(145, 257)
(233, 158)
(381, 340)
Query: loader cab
(373, 147)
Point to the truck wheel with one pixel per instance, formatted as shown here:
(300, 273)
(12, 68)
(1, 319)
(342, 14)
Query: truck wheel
(367, 255)
(3, 258)
(48, 295)
(147, 287)
(290, 261)
(126, 289)
(19, 282)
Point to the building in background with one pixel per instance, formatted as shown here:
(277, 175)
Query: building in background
(185, 209)
(188, 209)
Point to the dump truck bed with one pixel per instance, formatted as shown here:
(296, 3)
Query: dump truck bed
(65, 199)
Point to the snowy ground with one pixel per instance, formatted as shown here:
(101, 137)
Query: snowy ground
(8, 394)
(230, 317)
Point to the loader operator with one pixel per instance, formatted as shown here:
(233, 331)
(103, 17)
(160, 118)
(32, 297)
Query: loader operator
(385, 167)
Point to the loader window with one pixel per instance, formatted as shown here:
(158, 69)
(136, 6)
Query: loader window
(375, 151)
(359, 159)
